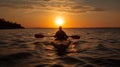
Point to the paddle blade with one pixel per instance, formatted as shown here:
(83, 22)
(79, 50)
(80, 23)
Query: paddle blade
(39, 36)
(75, 37)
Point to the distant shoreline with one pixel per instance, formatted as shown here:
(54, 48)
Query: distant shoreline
(5, 24)
(71, 28)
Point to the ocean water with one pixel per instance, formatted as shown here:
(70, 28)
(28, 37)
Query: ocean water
(95, 48)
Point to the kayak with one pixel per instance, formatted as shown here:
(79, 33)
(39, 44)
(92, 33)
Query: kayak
(61, 45)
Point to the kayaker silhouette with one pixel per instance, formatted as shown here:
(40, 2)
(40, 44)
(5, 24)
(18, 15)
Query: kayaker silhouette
(60, 34)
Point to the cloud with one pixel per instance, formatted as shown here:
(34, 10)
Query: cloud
(70, 6)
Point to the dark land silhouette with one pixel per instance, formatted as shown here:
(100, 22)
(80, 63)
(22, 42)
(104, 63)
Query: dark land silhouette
(4, 24)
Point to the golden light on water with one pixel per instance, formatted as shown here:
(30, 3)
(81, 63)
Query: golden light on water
(59, 21)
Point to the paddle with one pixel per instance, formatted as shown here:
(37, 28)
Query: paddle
(42, 36)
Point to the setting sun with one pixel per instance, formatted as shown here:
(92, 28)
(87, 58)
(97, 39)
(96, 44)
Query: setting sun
(59, 21)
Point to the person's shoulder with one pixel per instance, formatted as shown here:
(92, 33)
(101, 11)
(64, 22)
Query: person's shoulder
(58, 31)
(63, 31)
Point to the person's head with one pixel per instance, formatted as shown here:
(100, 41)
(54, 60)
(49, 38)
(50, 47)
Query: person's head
(60, 27)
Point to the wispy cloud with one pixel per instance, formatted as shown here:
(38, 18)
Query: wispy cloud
(70, 6)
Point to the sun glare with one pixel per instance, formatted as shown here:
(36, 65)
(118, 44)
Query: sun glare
(59, 21)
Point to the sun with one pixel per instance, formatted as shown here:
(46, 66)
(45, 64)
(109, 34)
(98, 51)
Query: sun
(59, 21)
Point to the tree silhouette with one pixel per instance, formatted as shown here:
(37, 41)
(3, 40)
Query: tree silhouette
(9, 24)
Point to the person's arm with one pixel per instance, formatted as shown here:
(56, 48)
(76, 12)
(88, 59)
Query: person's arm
(65, 34)
(56, 34)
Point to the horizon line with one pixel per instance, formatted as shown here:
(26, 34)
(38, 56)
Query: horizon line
(74, 27)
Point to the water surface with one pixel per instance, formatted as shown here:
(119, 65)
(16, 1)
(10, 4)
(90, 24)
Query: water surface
(95, 48)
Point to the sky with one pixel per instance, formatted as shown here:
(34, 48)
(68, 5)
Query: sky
(76, 13)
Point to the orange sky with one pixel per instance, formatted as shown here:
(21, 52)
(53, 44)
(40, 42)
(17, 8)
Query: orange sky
(76, 13)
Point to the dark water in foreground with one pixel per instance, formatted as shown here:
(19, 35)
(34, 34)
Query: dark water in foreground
(96, 48)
